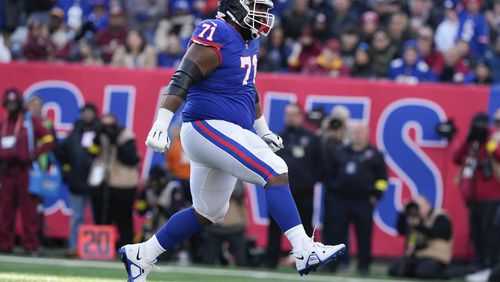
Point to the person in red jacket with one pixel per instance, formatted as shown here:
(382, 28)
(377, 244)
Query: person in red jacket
(15, 162)
(477, 156)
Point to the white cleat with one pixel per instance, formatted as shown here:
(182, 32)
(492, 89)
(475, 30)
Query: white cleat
(314, 255)
(133, 257)
(480, 276)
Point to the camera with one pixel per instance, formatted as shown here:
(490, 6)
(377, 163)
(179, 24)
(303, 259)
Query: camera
(316, 116)
(447, 129)
(335, 124)
(478, 130)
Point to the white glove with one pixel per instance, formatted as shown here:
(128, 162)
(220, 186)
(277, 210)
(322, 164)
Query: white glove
(158, 135)
(272, 139)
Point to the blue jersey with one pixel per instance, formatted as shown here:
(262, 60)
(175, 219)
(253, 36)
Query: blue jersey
(228, 93)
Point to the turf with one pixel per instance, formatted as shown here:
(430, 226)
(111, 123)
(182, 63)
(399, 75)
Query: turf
(23, 269)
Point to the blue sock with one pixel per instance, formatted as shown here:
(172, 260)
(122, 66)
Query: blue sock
(281, 207)
(178, 228)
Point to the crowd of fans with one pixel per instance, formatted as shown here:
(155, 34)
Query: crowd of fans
(404, 40)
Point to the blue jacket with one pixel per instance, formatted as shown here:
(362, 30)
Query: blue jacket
(474, 29)
(416, 73)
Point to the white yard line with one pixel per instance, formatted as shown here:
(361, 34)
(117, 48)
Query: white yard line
(187, 270)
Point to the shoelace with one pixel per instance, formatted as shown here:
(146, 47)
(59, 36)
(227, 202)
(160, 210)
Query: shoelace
(312, 237)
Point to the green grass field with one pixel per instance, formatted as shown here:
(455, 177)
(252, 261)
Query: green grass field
(25, 269)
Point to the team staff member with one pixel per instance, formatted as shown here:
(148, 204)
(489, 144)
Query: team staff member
(15, 162)
(356, 178)
(302, 155)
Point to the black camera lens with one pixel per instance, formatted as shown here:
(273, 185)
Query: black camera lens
(335, 124)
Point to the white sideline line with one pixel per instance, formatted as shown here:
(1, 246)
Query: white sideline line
(185, 270)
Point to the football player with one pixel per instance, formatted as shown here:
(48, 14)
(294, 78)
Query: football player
(225, 136)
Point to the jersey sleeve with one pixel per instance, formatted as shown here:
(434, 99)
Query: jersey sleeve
(211, 33)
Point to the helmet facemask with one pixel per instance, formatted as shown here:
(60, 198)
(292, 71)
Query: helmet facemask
(259, 22)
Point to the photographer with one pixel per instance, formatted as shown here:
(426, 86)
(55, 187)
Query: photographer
(480, 189)
(334, 131)
(356, 179)
(428, 245)
(114, 176)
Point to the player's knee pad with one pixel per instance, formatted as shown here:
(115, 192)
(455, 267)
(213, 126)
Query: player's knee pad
(213, 213)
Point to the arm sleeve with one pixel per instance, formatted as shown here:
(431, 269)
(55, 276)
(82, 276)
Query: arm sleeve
(441, 228)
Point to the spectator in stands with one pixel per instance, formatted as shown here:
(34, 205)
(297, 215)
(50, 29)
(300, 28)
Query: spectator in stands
(5, 55)
(341, 15)
(479, 187)
(276, 52)
(171, 56)
(455, 67)
(447, 30)
(11, 15)
(481, 73)
(428, 236)
(474, 28)
(422, 14)
(321, 27)
(385, 8)
(144, 15)
(231, 230)
(382, 53)
(362, 67)
(304, 50)
(356, 179)
(113, 197)
(294, 19)
(37, 46)
(112, 36)
(86, 52)
(303, 158)
(398, 28)
(136, 53)
(60, 38)
(76, 160)
(180, 22)
(38, 9)
(15, 164)
(410, 68)
(425, 44)
(493, 19)
(369, 24)
(349, 41)
(75, 10)
(328, 63)
(492, 57)
(99, 15)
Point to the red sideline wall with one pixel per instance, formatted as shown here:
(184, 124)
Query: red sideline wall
(402, 121)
